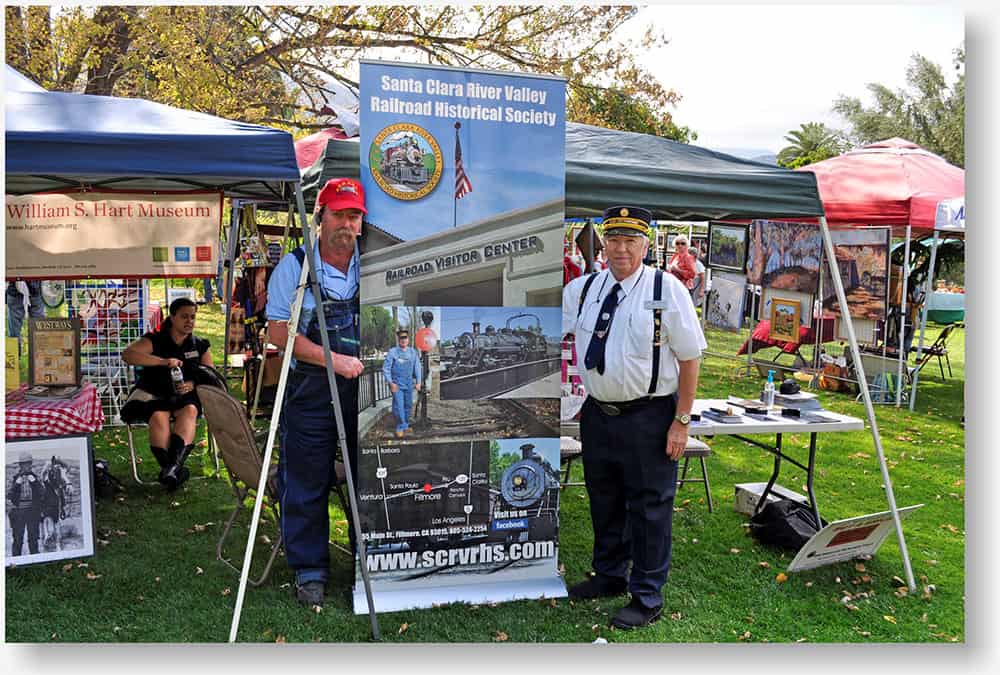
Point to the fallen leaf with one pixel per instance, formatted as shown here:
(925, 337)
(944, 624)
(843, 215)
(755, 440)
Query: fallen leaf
(120, 533)
(280, 640)
(890, 619)
(676, 616)
(859, 567)
(93, 577)
(764, 563)
(781, 578)
(745, 636)
(403, 628)
(500, 636)
(198, 570)
(174, 505)
(67, 567)
(734, 550)
(227, 590)
(809, 584)
(317, 608)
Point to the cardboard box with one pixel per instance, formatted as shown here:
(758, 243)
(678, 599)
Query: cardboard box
(748, 494)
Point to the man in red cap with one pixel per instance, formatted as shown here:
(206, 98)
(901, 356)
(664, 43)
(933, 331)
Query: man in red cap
(307, 425)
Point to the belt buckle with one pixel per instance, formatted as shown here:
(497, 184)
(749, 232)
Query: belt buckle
(609, 409)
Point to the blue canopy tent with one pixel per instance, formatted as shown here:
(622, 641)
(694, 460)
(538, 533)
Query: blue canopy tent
(15, 81)
(63, 141)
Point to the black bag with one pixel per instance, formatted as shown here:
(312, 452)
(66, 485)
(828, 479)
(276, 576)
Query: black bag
(105, 485)
(786, 523)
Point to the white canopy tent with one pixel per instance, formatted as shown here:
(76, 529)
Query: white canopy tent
(950, 219)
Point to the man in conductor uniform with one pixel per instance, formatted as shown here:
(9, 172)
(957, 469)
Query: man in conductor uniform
(402, 371)
(641, 341)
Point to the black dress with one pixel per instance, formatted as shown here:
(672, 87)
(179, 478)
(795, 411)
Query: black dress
(155, 389)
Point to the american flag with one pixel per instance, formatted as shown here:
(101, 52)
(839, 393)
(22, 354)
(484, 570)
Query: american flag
(463, 185)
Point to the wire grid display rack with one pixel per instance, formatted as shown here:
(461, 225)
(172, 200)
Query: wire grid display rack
(112, 315)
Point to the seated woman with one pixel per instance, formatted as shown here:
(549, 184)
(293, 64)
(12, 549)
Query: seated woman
(154, 400)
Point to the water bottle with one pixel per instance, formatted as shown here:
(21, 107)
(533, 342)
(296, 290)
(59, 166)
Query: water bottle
(178, 379)
(769, 390)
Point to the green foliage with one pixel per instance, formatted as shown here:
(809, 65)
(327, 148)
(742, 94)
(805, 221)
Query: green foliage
(927, 112)
(272, 64)
(377, 327)
(500, 463)
(812, 142)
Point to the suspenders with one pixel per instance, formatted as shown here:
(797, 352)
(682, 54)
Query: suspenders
(657, 320)
(657, 312)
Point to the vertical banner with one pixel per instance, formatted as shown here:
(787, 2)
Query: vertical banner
(458, 476)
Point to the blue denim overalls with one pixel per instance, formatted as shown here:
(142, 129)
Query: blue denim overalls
(402, 369)
(309, 441)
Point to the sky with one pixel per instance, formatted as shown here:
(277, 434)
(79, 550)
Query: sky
(749, 79)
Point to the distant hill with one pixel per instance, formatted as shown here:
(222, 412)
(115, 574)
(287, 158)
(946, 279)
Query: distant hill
(753, 154)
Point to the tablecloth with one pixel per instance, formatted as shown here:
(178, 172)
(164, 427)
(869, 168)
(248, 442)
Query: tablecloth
(807, 336)
(59, 417)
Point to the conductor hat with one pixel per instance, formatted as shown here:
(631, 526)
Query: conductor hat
(632, 221)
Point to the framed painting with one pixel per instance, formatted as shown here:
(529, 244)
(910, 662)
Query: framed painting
(727, 247)
(726, 301)
(784, 255)
(805, 301)
(785, 319)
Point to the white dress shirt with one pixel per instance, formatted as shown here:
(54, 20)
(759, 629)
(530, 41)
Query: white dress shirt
(629, 347)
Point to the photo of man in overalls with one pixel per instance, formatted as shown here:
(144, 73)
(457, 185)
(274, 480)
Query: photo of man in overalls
(308, 428)
(403, 373)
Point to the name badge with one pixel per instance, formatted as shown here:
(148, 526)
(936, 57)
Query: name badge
(656, 304)
(190, 355)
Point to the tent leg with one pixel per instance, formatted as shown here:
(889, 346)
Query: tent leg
(838, 286)
(929, 287)
(902, 319)
(234, 235)
(293, 323)
(338, 413)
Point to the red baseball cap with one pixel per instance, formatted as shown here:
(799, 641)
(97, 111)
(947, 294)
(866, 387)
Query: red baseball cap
(342, 193)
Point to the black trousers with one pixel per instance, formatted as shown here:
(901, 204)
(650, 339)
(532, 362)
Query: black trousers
(631, 483)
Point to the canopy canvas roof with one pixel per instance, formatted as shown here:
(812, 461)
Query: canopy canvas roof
(15, 81)
(58, 140)
(676, 181)
(892, 182)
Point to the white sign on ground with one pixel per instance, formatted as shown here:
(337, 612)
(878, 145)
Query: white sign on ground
(847, 539)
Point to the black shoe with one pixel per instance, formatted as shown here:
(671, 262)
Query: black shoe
(597, 587)
(311, 593)
(175, 477)
(635, 615)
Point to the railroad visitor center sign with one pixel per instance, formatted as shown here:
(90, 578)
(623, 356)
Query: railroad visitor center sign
(459, 473)
(112, 234)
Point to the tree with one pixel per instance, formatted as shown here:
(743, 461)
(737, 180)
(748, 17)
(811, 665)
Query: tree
(274, 64)
(928, 112)
(377, 328)
(811, 142)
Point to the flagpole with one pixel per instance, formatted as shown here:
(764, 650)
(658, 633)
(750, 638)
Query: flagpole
(454, 192)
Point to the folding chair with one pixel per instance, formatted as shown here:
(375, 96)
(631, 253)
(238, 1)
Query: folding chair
(701, 450)
(242, 453)
(937, 349)
(882, 374)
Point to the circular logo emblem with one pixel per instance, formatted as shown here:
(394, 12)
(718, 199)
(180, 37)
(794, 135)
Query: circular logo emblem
(624, 212)
(405, 161)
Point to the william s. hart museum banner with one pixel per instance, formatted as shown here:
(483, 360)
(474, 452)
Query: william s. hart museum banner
(112, 235)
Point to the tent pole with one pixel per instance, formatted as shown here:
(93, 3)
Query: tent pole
(902, 318)
(234, 235)
(929, 285)
(338, 413)
(753, 325)
(293, 327)
(838, 286)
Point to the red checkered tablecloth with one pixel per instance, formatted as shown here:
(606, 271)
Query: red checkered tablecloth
(28, 419)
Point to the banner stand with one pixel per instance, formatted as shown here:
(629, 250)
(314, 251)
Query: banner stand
(308, 270)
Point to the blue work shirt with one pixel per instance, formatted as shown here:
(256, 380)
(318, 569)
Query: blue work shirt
(285, 278)
(402, 367)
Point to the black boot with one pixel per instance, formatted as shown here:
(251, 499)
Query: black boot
(176, 474)
(163, 459)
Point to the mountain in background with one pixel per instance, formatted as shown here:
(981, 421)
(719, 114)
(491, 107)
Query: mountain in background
(753, 154)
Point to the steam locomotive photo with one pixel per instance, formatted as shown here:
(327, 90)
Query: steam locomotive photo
(475, 351)
(404, 163)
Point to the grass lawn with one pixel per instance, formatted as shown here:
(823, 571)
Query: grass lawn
(155, 577)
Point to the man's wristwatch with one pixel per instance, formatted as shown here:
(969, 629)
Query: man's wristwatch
(683, 418)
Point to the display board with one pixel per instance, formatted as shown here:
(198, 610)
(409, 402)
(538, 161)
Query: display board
(76, 235)
(112, 316)
(54, 352)
(459, 475)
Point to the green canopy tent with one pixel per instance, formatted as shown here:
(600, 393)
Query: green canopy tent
(676, 181)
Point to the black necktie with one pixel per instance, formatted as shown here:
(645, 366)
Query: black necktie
(595, 351)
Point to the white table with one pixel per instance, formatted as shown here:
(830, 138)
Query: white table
(776, 425)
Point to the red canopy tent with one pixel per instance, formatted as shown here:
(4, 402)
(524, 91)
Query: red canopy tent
(893, 182)
(308, 149)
